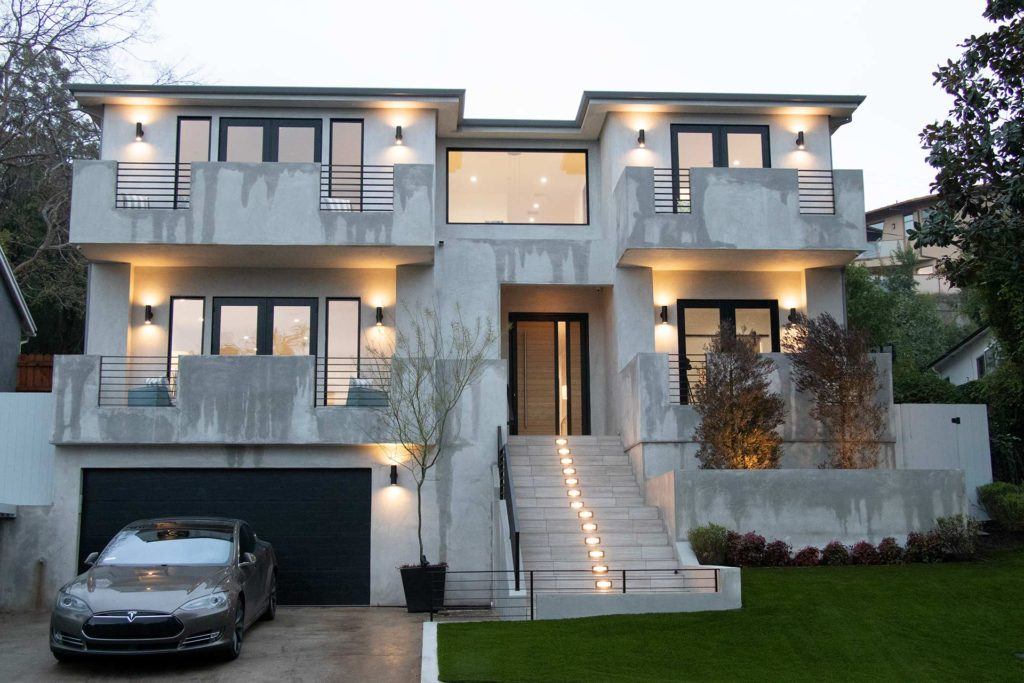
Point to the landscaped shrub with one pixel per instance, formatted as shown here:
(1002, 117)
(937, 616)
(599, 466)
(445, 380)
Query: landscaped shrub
(1004, 503)
(958, 536)
(732, 545)
(750, 550)
(923, 547)
(777, 554)
(889, 551)
(865, 553)
(807, 557)
(710, 543)
(835, 554)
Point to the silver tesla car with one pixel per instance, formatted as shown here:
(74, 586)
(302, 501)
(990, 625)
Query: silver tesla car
(186, 584)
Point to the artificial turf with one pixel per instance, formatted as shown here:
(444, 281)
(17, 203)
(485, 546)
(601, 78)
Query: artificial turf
(957, 621)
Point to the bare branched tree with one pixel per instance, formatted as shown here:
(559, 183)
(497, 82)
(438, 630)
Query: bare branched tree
(831, 363)
(739, 415)
(425, 372)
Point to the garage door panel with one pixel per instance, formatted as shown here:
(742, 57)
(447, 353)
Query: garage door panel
(317, 520)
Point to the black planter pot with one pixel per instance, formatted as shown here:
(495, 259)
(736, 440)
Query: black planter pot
(424, 587)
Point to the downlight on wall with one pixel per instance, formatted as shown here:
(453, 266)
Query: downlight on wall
(641, 139)
(380, 316)
(800, 144)
(149, 314)
(664, 315)
(399, 137)
(138, 131)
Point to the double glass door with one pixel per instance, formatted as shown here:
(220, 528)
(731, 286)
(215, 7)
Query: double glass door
(246, 326)
(254, 140)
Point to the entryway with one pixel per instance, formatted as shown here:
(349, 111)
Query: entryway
(549, 373)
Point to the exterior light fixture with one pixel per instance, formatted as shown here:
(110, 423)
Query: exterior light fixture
(149, 314)
(603, 584)
(138, 131)
(641, 139)
(394, 475)
(399, 139)
(588, 527)
(568, 470)
(572, 481)
(564, 451)
(800, 141)
(560, 442)
(592, 540)
(599, 569)
(566, 461)
(793, 317)
(596, 554)
(586, 514)
(573, 493)
(380, 316)
(576, 504)
(664, 315)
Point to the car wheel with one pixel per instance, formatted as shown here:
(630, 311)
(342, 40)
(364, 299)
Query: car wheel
(271, 611)
(234, 647)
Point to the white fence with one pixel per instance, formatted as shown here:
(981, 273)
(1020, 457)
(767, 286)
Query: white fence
(26, 455)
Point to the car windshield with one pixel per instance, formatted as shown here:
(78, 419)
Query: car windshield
(174, 545)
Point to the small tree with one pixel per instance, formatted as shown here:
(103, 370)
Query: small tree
(739, 416)
(424, 372)
(832, 364)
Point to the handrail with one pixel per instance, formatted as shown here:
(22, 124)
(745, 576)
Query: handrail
(153, 185)
(506, 491)
(352, 381)
(138, 381)
(357, 188)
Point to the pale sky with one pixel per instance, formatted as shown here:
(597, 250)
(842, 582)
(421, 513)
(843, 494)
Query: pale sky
(533, 59)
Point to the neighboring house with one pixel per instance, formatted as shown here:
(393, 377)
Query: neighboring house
(970, 359)
(887, 232)
(249, 244)
(16, 324)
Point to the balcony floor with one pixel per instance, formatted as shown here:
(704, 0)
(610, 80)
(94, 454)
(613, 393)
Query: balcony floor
(737, 259)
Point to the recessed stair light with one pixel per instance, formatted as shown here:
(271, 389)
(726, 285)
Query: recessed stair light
(603, 584)
(599, 569)
(592, 540)
(576, 504)
(588, 526)
(568, 470)
(566, 461)
(586, 514)
(572, 481)
(560, 442)
(596, 554)
(564, 451)
(573, 493)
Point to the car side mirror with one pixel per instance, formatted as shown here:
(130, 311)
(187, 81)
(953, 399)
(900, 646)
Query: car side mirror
(247, 559)
(91, 558)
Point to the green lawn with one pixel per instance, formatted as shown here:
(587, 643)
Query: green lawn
(960, 621)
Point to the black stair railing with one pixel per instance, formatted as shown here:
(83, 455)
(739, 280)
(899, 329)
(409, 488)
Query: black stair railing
(506, 492)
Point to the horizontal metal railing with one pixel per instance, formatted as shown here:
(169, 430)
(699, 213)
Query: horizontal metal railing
(489, 595)
(141, 381)
(350, 381)
(672, 190)
(359, 188)
(684, 377)
(153, 185)
(816, 190)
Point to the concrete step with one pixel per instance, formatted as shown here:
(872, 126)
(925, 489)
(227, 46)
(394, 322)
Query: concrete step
(615, 554)
(609, 539)
(571, 440)
(540, 512)
(590, 479)
(563, 526)
(558, 489)
(577, 460)
(589, 502)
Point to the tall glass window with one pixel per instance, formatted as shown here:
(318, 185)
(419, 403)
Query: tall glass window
(186, 330)
(341, 366)
(517, 187)
(346, 164)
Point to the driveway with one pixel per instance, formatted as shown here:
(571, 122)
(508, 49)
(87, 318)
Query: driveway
(302, 644)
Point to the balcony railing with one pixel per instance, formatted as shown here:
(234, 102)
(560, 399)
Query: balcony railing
(683, 377)
(672, 191)
(153, 185)
(817, 193)
(346, 381)
(357, 188)
(138, 381)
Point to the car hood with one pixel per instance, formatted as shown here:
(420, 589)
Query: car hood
(158, 588)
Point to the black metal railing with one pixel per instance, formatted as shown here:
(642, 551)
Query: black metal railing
(816, 191)
(489, 595)
(683, 376)
(672, 190)
(153, 185)
(359, 188)
(507, 493)
(138, 381)
(352, 381)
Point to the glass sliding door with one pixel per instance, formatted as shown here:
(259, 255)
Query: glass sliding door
(249, 326)
(341, 371)
(252, 140)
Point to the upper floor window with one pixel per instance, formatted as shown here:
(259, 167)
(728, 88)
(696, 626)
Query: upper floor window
(908, 223)
(702, 146)
(255, 140)
(517, 186)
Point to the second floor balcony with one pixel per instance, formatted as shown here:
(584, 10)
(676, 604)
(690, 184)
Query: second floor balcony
(250, 204)
(743, 218)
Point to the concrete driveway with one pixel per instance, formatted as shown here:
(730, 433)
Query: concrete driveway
(302, 644)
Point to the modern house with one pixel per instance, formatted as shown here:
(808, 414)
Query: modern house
(970, 359)
(248, 245)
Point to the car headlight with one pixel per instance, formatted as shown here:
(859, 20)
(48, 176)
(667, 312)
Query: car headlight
(207, 602)
(69, 603)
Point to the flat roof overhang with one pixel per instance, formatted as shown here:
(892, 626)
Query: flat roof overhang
(259, 256)
(779, 260)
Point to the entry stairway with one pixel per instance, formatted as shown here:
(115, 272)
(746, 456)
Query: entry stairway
(630, 534)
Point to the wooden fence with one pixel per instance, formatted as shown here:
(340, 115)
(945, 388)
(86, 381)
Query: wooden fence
(35, 372)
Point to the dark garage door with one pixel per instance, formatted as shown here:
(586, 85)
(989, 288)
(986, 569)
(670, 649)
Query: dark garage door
(317, 520)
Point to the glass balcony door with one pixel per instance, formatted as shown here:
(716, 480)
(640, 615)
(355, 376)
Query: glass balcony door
(248, 326)
(252, 140)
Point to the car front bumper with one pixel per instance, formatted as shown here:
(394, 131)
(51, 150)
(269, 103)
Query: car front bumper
(199, 632)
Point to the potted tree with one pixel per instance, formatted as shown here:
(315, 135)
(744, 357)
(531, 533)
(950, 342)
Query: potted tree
(424, 369)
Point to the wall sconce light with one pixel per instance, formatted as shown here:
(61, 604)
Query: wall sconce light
(800, 140)
(138, 131)
(398, 135)
(793, 317)
(380, 316)
(149, 314)
(394, 475)
(664, 315)
(641, 139)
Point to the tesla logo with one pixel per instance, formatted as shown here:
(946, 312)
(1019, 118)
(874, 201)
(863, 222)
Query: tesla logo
(131, 615)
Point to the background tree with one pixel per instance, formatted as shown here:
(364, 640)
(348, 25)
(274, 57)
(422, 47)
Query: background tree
(831, 363)
(739, 415)
(424, 373)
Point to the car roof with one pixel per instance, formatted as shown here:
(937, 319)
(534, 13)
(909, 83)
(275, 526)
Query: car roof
(187, 521)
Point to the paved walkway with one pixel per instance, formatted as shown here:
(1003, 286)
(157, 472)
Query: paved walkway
(302, 644)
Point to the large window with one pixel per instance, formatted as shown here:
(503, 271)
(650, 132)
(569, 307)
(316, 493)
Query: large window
(342, 377)
(701, 146)
(186, 337)
(517, 186)
(346, 166)
(257, 140)
(245, 326)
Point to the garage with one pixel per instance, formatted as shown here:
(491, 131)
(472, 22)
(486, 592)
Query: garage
(318, 520)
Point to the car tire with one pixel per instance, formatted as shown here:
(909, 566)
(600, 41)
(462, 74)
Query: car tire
(271, 611)
(234, 646)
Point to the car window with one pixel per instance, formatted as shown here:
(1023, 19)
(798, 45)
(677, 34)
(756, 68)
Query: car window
(171, 545)
(247, 539)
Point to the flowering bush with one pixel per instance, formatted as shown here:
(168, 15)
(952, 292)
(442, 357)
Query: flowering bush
(923, 547)
(750, 550)
(777, 554)
(807, 557)
(710, 543)
(732, 544)
(865, 553)
(889, 551)
(835, 554)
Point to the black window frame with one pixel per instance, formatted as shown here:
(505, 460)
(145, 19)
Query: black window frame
(546, 150)
(264, 325)
(362, 155)
(720, 141)
(170, 326)
(271, 130)
(177, 150)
